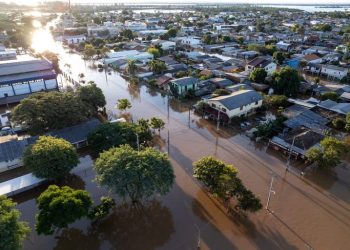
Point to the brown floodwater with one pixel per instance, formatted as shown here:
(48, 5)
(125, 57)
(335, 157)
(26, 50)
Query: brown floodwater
(309, 212)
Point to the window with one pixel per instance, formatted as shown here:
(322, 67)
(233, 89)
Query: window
(213, 105)
(256, 103)
(240, 108)
(223, 109)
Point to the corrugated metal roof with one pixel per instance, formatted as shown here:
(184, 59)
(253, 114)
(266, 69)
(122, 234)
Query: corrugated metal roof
(46, 74)
(12, 150)
(238, 99)
(19, 67)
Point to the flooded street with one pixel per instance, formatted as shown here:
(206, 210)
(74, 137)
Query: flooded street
(310, 212)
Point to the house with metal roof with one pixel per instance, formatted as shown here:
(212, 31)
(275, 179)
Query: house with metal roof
(263, 63)
(180, 87)
(23, 76)
(11, 152)
(238, 103)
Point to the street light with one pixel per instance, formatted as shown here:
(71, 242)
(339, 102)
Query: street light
(270, 192)
(291, 147)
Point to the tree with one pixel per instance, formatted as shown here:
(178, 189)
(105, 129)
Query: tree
(93, 97)
(222, 180)
(339, 123)
(278, 57)
(286, 81)
(154, 51)
(102, 210)
(329, 154)
(275, 101)
(53, 58)
(172, 32)
(45, 111)
(131, 68)
(123, 104)
(258, 75)
(89, 51)
(50, 157)
(221, 92)
(207, 39)
(109, 135)
(135, 174)
(59, 207)
(347, 121)
(330, 95)
(157, 66)
(157, 123)
(12, 230)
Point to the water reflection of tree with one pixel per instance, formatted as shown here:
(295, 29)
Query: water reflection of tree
(126, 228)
(179, 105)
(71, 180)
(152, 91)
(134, 91)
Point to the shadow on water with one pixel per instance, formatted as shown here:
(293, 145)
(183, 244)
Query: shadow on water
(126, 228)
(216, 220)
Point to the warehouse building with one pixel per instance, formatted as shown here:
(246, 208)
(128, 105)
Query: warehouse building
(23, 76)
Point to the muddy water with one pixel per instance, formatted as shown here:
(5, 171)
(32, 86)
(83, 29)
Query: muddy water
(309, 212)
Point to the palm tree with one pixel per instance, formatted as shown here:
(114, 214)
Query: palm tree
(131, 68)
(157, 66)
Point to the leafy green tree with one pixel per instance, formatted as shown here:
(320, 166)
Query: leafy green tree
(278, 57)
(127, 34)
(330, 95)
(45, 111)
(172, 32)
(157, 66)
(102, 210)
(123, 104)
(207, 39)
(221, 179)
(286, 81)
(258, 75)
(59, 207)
(221, 92)
(154, 51)
(12, 230)
(157, 123)
(131, 68)
(347, 121)
(135, 174)
(109, 135)
(93, 97)
(89, 51)
(275, 101)
(329, 154)
(339, 123)
(50, 157)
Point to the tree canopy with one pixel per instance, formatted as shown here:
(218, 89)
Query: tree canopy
(59, 207)
(258, 75)
(92, 97)
(45, 111)
(109, 135)
(50, 157)
(157, 123)
(154, 51)
(222, 180)
(123, 104)
(278, 57)
(12, 230)
(134, 174)
(286, 81)
(329, 154)
(157, 66)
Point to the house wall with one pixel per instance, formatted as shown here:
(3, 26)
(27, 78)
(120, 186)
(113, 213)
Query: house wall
(333, 73)
(244, 110)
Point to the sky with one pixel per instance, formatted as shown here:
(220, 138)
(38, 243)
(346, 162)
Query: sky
(33, 2)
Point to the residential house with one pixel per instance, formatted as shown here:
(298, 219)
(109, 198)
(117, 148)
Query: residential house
(334, 72)
(180, 87)
(263, 63)
(74, 39)
(238, 103)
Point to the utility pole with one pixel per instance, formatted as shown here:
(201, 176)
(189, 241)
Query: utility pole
(218, 121)
(270, 192)
(189, 117)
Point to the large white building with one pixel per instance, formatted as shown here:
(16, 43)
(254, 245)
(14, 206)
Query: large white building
(135, 26)
(23, 76)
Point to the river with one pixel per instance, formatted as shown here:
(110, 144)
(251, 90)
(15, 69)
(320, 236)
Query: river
(313, 211)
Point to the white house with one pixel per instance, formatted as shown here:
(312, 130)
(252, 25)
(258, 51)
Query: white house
(334, 72)
(144, 57)
(74, 39)
(165, 45)
(190, 41)
(281, 45)
(135, 26)
(262, 62)
(239, 103)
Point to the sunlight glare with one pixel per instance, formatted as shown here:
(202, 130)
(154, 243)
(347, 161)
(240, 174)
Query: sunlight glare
(42, 40)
